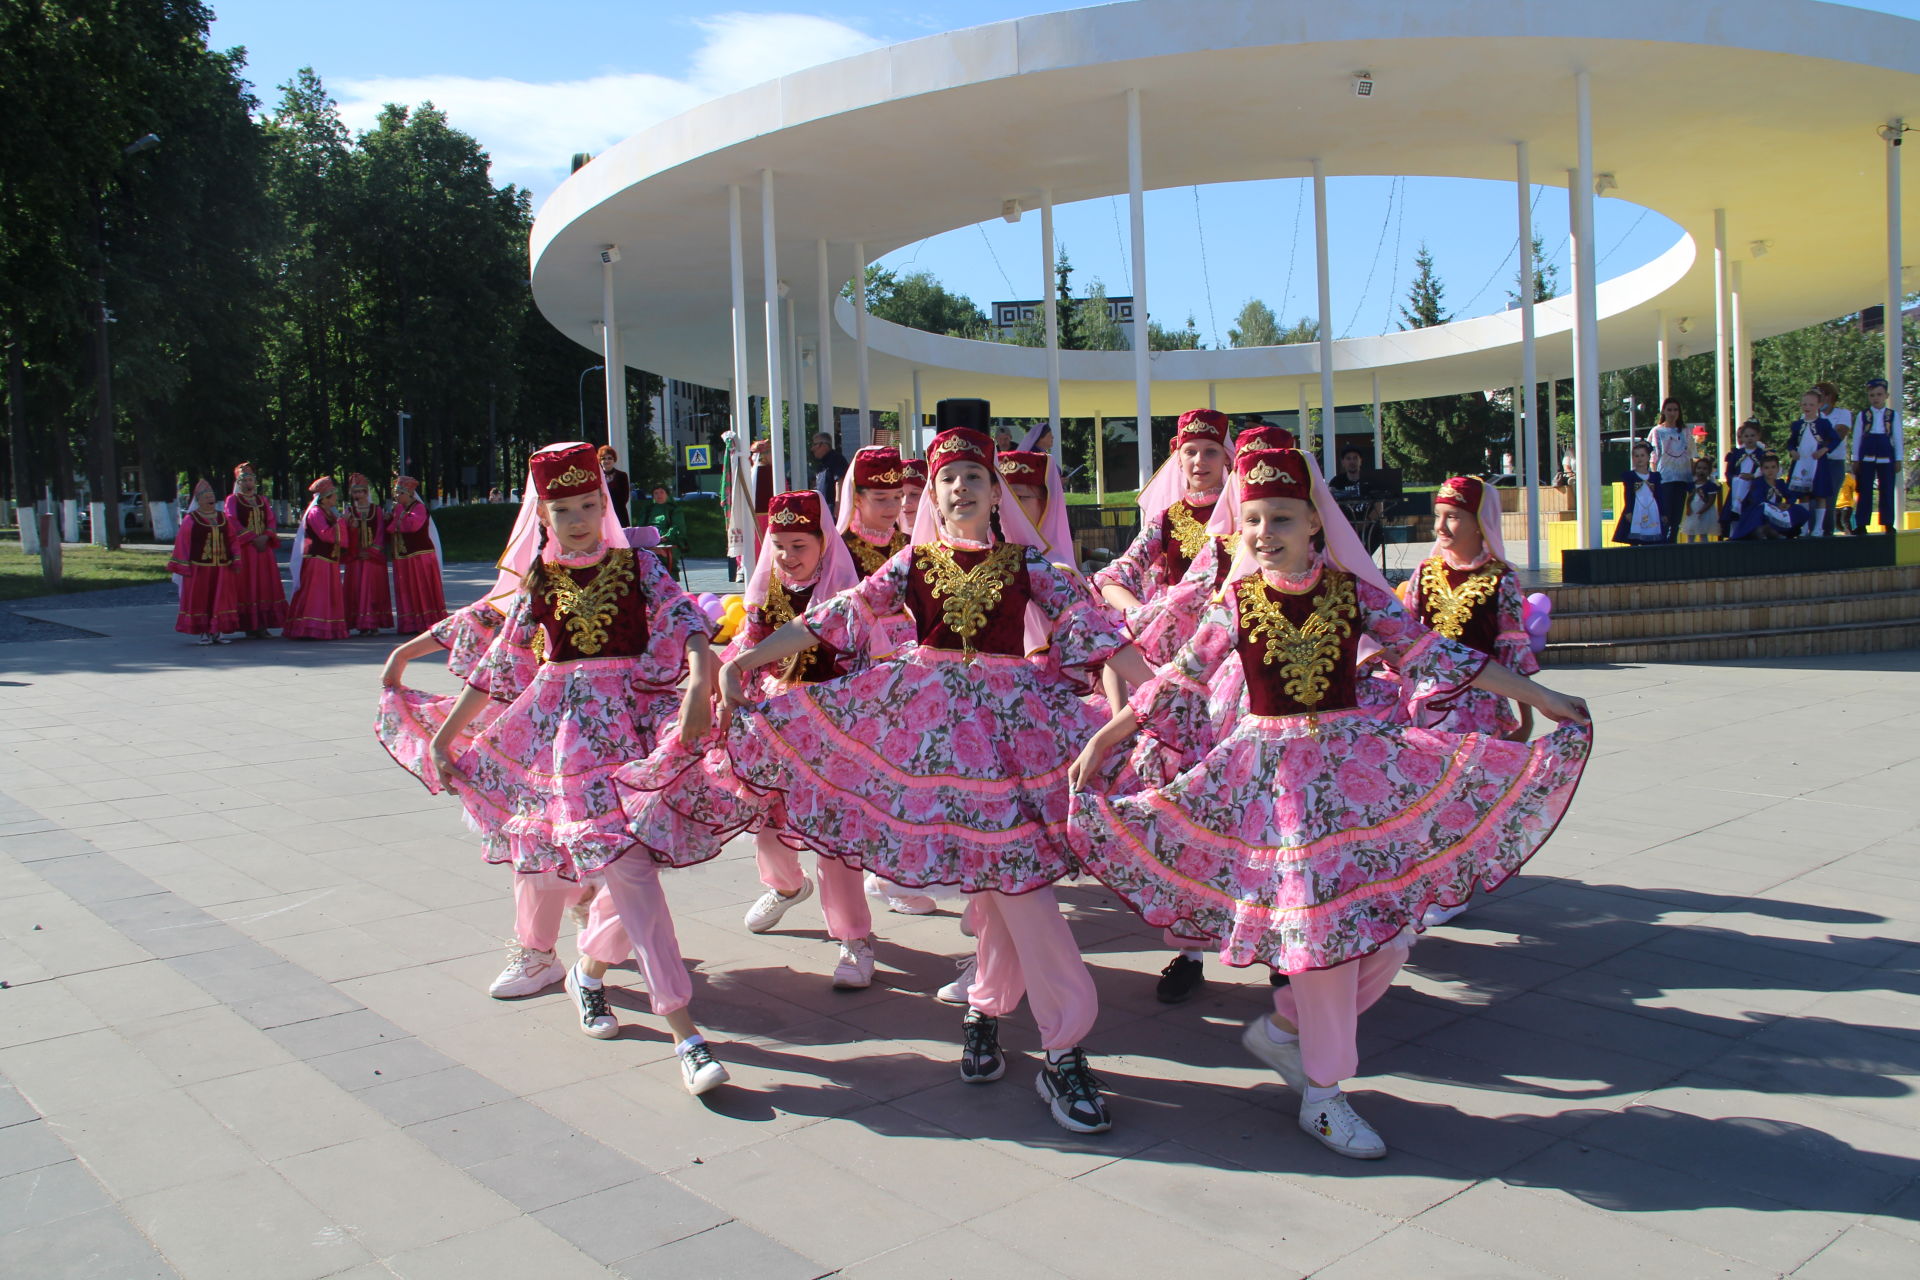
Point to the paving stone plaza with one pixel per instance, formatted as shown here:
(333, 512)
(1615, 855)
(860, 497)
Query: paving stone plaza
(246, 1031)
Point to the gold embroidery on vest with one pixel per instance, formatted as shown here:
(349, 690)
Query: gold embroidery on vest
(1449, 608)
(779, 611)
(868, 558)
(1306, 653)
(1188, 532)
(588, 611)
(968, 597)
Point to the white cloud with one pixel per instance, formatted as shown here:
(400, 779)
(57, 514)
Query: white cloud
(532, 130)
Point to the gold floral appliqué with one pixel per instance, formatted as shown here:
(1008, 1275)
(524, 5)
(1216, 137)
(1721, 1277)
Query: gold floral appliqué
(1187, 531)
(1306, 653)
(868, 558)
(587, 611)
(779, 611)
(968, 597)
(1450, 608)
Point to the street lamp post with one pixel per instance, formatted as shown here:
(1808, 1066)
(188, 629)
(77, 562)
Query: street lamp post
(400, 463)
(581, 387)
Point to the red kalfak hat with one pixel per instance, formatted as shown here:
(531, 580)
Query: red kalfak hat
(406, 482)
(1023, 466)
(1201, 424)
(960, 444)
(1264, 436)
(565, 473)
(797, 512)
(877, 467)
(322, 487)
(1462, 491)
(913, 471)
(358, 481)
(1274, 473)
(243, 468)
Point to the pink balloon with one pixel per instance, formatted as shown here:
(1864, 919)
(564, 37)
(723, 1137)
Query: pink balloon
(1540, 602)
(713, 608)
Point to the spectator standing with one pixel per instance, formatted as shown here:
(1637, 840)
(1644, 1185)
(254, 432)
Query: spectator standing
(1839, 462)
(829, 468)
(1878, 452)
(1673, 454)
(1742, 474)
(619, 488)
(1811, 441)
(1643, 507)
(1352, 488)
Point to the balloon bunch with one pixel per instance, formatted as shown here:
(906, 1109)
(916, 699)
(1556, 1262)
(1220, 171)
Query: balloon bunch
(728, 613)
(1536, 618)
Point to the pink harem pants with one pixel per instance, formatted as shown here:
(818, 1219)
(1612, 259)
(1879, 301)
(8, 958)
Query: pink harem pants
(1326, 1004)
(843, 898)
(540, 903)
(633, 884)
(1027, 948)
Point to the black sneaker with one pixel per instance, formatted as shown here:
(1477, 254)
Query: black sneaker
(1179, 980)
(980, 1060)
(1072, 1092)
(1278, 979)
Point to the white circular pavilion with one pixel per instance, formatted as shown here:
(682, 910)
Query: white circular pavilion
(713, 247)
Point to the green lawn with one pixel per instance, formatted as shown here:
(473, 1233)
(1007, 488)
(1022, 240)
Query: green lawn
(81, 569)
(479, 532)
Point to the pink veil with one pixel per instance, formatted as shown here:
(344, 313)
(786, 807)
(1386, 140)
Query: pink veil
(1489, 514)
(1344, 548)
(1056, 534)
(1015, 527)
(518, 556)
(837, 570)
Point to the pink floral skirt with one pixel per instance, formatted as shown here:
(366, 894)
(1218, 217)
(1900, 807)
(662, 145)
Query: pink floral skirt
(1477, 711)
(1304, 842)
(536, 783)
(258, 596)
(926, 769)
(466, 634)
(407, 721)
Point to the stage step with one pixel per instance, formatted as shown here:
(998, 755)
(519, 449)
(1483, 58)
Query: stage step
(1784, 615)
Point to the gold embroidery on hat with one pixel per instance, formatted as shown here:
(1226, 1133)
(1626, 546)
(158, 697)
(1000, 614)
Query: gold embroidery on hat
(572, 476)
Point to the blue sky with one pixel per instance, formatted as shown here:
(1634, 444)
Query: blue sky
(536, 83)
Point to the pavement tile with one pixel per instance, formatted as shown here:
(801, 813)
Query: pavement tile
(335, 1033)
(1863, 1253)
(429, 1097)
(731, 1249)
(520, 1247)
(393, 1194)
(98, 1245)
(498, 1129)
(151, 1143)
(248, 1226)
(76, 1072)
(202, 1044)
(29, 1146)
(558, 1172)
(50, 1193)
(380, 1063)
(286, 1110)
(631, 1218)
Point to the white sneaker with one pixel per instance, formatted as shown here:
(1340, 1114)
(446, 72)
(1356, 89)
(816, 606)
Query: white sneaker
(527, 971)
(591, 1004)
(700, 1070)
(1284, 1058)
(957, 991)
(204, 640)
(855, 970)
(771, 905)
(1339, 1128)
(1437, 915)
(905, 904)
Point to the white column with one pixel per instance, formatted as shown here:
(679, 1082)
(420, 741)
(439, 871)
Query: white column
(1721, 431)
(1052, 296)
(1305, 433)
(1213, 395)
(919, 419)
(615, 359)
(1327, 425)
(770, 264)
(824, 358)
(1895, 326)
(797, 454)
(1528, 401)
(1586, 324)
(1142, 368)
(860, 339)
(1379, 433)
(1660, 356)
(1099, 459)
(742, 400)
(1742, 348)
(909, 433)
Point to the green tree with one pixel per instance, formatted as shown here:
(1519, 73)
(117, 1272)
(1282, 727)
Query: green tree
(1443, 435)
(1094, 328)
(1186, 338)
(919, 301)
(1255, 326)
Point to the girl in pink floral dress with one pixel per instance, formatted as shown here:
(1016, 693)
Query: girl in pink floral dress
(681, 797)
(595, 643)
(1312, 833)
(946, 763)
(1174, 510)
